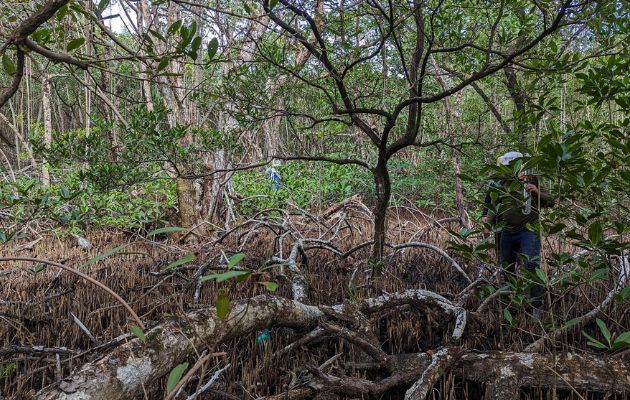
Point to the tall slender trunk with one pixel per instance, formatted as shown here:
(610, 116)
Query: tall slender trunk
(519, 98)
(142, 21)
(47, 127)
(449, 112)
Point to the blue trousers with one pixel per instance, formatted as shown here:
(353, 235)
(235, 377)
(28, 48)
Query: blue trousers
(520, 244)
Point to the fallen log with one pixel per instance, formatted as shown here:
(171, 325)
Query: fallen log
(122, 373)
(505, 373)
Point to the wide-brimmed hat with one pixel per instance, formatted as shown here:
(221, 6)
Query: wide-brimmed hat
(508, 157)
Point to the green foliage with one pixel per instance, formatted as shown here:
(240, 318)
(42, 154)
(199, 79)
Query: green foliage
(222, 305)
(74, 203)
(184, 260)
(612, 341)
(137, 331)
(8, 64)
(101, 257)
(305, 184)
(175, 376)
(5, 370)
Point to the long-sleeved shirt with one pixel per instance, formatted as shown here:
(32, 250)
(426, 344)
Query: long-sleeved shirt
(511, 205)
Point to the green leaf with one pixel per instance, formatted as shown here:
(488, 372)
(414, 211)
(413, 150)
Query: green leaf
(138, 333)
(188, 258)
(104, 256)
(222, 305)
(163, 63)
(604, 329)
(8, 64)
(157, 35)
(599, 274)
(595, 233)
(224, 276)
(75, 44)
(6, 370)
(174, 27)
(272, 4)
(175, 376)
(270, 286)
(235, 259)
(195, 44)
(541, 275)
(213, 46)
(102, 5)
(594, 342)
(507, 315)
(168, 229)
(571, 323)
(41, 35)
(63, 11)
(622, 340)
(621, 296)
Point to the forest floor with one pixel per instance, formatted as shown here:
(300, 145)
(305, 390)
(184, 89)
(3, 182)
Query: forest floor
(44, 306)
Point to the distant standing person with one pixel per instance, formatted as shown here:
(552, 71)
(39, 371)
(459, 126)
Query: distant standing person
(514, 213)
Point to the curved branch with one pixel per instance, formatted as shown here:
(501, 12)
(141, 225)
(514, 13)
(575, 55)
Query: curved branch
(17, 78)
(418, 296)
(339, 161)
(53, 56)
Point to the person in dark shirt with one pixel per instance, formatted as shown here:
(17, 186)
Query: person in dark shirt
(515, 212)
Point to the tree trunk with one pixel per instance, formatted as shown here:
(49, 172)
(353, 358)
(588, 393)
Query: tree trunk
(47, 127)
(383, 194)
(518, 97)
(142, 20)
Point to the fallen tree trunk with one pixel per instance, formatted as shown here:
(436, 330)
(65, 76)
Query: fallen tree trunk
(129, 369)
(504, 373)
(124, 372)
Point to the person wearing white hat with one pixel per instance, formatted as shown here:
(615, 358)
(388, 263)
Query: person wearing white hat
(513, 215)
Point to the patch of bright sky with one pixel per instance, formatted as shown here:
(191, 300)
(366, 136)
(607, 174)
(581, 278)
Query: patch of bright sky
(120, 23)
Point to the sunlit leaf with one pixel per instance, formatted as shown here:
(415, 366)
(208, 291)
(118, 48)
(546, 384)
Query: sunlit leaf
(168, 229)
(270, 286)
(175, 376)
(184, 260)
(222, 305)
(604, 330)
(235, 259)
(138, 332)
(104, 256)
(224, 276)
